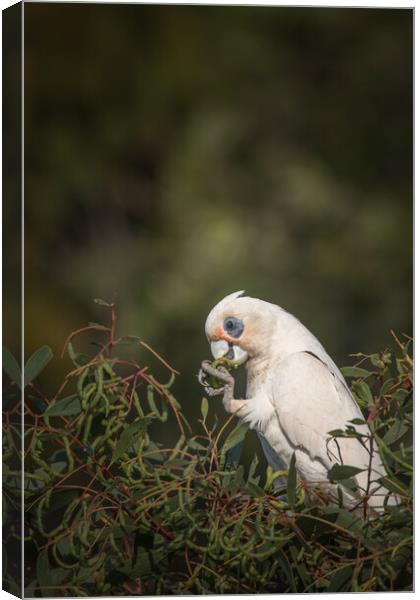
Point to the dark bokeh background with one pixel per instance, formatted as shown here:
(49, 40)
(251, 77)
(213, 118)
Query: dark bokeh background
(175, 154)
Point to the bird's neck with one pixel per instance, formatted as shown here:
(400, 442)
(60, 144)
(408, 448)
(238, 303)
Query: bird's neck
(256, 368)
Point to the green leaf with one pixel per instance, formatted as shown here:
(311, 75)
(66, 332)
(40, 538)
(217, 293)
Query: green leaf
(393, 485)
(192, 443)
(336, 432)
(128, 436)
(252, 478)
(77, 358)
(157, 456)
(397, 431)
(339, 472)
(284, 564)
(255, 490)
(358, 421)
(70, 405)
(356, 372)
(70, 351)
(204, 408)
(234, 455)
(36, 363)
(349, 520)
(388, 383)
(363, 391)
(11, 366)
(151, 400)
(235, 480)
(272, 476)
(291, 481)
(388, 453)
(236, 435)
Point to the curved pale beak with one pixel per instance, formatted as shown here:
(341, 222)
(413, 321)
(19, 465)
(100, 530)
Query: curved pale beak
(221, 348)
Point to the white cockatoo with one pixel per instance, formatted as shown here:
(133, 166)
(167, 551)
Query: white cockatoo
(295, 396)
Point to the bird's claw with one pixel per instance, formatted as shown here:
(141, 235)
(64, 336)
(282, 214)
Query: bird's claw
(221, 374)
(210, 391)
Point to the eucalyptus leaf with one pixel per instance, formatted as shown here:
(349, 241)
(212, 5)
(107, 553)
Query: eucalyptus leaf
(358, 421)
(355, 372)
(11, 366)
(235, 436)
(339, 472)
(363, 391)
(70, 405)
(204, 408)
(128, 437)
(36, 363)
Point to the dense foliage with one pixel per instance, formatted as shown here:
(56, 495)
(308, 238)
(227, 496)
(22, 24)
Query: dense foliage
(110, 510)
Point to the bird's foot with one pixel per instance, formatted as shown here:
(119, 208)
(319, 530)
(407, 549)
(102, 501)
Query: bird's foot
(218, 376)
(221, 375)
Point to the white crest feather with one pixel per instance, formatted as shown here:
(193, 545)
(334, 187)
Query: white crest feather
(230, 297)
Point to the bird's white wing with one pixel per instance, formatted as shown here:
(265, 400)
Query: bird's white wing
(310, 401)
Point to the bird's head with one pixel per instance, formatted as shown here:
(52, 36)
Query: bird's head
(239, 327)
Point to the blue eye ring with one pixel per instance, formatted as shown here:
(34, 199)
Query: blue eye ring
(233, 326)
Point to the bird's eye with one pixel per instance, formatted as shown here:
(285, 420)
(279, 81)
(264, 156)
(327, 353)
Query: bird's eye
(233, 326)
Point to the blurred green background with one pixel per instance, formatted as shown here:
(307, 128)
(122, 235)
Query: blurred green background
(174, 154)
